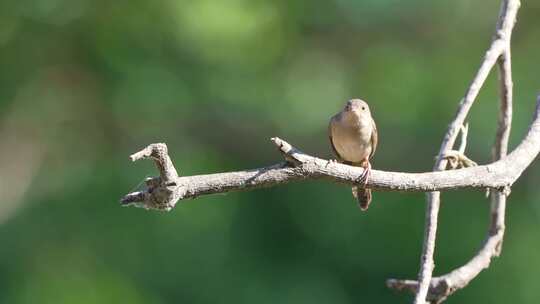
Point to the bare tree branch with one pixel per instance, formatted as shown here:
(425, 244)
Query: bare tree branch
(498, 52)
(496, 175)
(443, 286)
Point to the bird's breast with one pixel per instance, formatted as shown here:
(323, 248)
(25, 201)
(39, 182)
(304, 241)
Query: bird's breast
(352, 141)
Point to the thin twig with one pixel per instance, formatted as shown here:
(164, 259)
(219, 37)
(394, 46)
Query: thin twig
(457, 158)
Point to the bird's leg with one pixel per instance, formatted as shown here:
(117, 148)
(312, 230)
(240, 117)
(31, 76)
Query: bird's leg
(365, 175)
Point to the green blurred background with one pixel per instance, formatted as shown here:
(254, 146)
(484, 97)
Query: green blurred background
(84, 83)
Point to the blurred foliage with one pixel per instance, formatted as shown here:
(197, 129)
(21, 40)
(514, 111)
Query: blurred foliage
(85, 83)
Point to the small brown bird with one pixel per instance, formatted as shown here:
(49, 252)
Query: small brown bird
(353, 137)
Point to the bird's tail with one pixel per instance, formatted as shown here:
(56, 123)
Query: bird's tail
(363, 197)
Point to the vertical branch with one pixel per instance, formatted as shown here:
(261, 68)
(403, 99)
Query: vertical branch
(499, 46)
(433, 198)
(428, 247)
(500, 147)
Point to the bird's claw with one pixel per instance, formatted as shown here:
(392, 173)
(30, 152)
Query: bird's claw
(331, 162)
(363, 180)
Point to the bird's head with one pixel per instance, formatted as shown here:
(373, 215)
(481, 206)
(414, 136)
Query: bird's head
(358, 107)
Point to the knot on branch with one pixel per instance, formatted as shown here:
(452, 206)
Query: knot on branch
(161, 192)
(503, 190)
(439, 288)
(457, 158)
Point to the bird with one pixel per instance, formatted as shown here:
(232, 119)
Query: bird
(353, 137)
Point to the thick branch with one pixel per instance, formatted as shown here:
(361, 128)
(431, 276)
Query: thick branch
(497, 175)
(501, 43)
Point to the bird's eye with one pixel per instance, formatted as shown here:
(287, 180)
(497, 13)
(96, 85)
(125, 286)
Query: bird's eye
(363, 108)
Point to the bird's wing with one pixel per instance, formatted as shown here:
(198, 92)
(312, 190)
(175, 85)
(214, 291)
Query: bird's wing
(330, 138)
(374, 138)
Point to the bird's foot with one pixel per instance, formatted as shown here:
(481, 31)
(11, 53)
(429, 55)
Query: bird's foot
(364, 178)
(331, 162)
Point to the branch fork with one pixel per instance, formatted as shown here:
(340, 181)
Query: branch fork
(456, 158)
(161, 192)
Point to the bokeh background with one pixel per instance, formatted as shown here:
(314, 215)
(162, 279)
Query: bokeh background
(83, 84)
